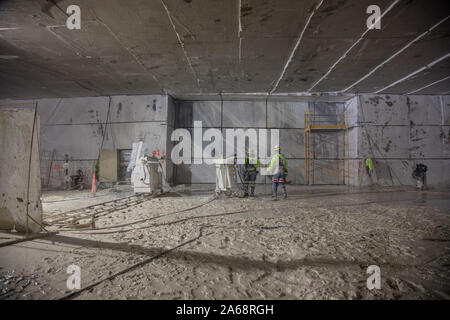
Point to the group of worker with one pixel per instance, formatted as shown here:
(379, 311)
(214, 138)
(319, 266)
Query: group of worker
(418, 174)
(277, 166)
(279, 169)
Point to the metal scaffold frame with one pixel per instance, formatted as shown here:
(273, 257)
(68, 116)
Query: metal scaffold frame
(311, 123)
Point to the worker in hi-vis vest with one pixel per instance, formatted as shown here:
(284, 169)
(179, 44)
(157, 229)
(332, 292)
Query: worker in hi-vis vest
(279, 169)
(251, 167)
(369, 166)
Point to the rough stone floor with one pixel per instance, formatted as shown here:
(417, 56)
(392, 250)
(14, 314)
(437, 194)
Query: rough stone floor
(317, 244)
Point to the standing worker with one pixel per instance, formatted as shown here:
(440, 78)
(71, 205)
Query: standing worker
(278, 165)
(420, 175)
(251, 166)
(369, 166)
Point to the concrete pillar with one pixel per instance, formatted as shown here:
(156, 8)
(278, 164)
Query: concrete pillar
(16, 130)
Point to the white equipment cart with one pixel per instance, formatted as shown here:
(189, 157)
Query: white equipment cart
(224, 182)
(147, 176)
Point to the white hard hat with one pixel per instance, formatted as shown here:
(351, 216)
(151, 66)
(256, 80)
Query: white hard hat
(277, 147)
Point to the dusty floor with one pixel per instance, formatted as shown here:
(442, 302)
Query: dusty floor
(317, 244)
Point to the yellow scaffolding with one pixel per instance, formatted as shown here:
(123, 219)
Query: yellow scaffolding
(312, 124)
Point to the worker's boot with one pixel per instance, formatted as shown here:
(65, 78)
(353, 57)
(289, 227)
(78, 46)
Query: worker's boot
(284, 192)
(245, 190)
(274, 192)
(252, 191)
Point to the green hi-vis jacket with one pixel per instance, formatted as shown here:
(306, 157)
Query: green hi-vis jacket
(251, 164)
(276, 158)
(369, 164)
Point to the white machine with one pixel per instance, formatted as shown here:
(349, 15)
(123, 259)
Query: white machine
(147, 176)
(224, 183)
(146, 172)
